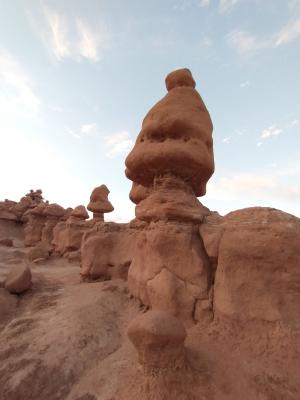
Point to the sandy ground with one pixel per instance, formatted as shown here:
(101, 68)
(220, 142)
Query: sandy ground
(67, 340)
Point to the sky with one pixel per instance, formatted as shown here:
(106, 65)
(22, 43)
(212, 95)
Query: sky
(77, 78)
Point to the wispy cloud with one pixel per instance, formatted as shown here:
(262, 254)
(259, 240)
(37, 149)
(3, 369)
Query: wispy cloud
(206, 42)
(244, 42)
(293, 123)
(271, 131)
(88, 129)
(72, 133)
(66, 37)
(254, 186)
(288, 33)
(244, 84)
(89, 42)
(57, 34)
(118, 143)
(227, 5)
(226, 139)
(204, 3)
(17, 93)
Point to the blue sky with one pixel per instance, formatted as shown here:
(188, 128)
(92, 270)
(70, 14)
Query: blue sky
(77, 78)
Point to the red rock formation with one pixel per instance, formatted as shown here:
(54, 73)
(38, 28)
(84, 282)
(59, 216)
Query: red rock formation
(99, 203)
(67, 235)
(34, 227)
(138, 193)
(258, 273)
(173, 155)
(53, 213)
(107, 250)
(18, 279)
(159, 340)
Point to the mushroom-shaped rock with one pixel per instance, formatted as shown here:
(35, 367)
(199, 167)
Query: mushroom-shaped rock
(54, 210)
(19, 279)
(79, 212)
(159, 340)
(99, 202)
(176, 136)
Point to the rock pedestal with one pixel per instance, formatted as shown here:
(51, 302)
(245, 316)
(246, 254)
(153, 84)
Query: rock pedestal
(173, 156)
(99, 203)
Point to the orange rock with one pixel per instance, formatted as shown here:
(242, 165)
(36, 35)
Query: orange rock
(35, 224)
(170, 165)
(258, 275)
(99, 202)
(176, 136)
(159, 340)
(107, 251)
(18, 279)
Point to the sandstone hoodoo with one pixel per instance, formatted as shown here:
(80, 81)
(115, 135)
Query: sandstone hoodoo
(99, 203)
(173, 155)
(67, 235)
(53, 212)
(79, 214)
(35, 223)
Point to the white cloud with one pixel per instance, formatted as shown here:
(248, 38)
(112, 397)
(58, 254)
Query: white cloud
(293, 123)
(72, 133)
(244, 84)
(271, 131)
(258, 187)
(204, 3)
(226, 5)
(118, 143)
(258, 144)
(226, 139)
(89, 129)
(206, 42)
(57, 34)
(288, 33)
(245, 42)
(17, 94)
(89, 42)
(66, 37)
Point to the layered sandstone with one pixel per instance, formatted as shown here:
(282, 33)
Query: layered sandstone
(173, 156)
(107, 251)
(258, 274)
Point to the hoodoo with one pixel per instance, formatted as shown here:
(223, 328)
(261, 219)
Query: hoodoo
(173, 155)
(99, 203)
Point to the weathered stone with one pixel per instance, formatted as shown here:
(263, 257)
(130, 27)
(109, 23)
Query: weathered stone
(19, 279)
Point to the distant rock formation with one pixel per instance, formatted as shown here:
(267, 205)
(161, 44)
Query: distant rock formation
(173, 155)
(67, 234)
(53, 213)
(99, 203)
(36, 219)
(107, 251)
